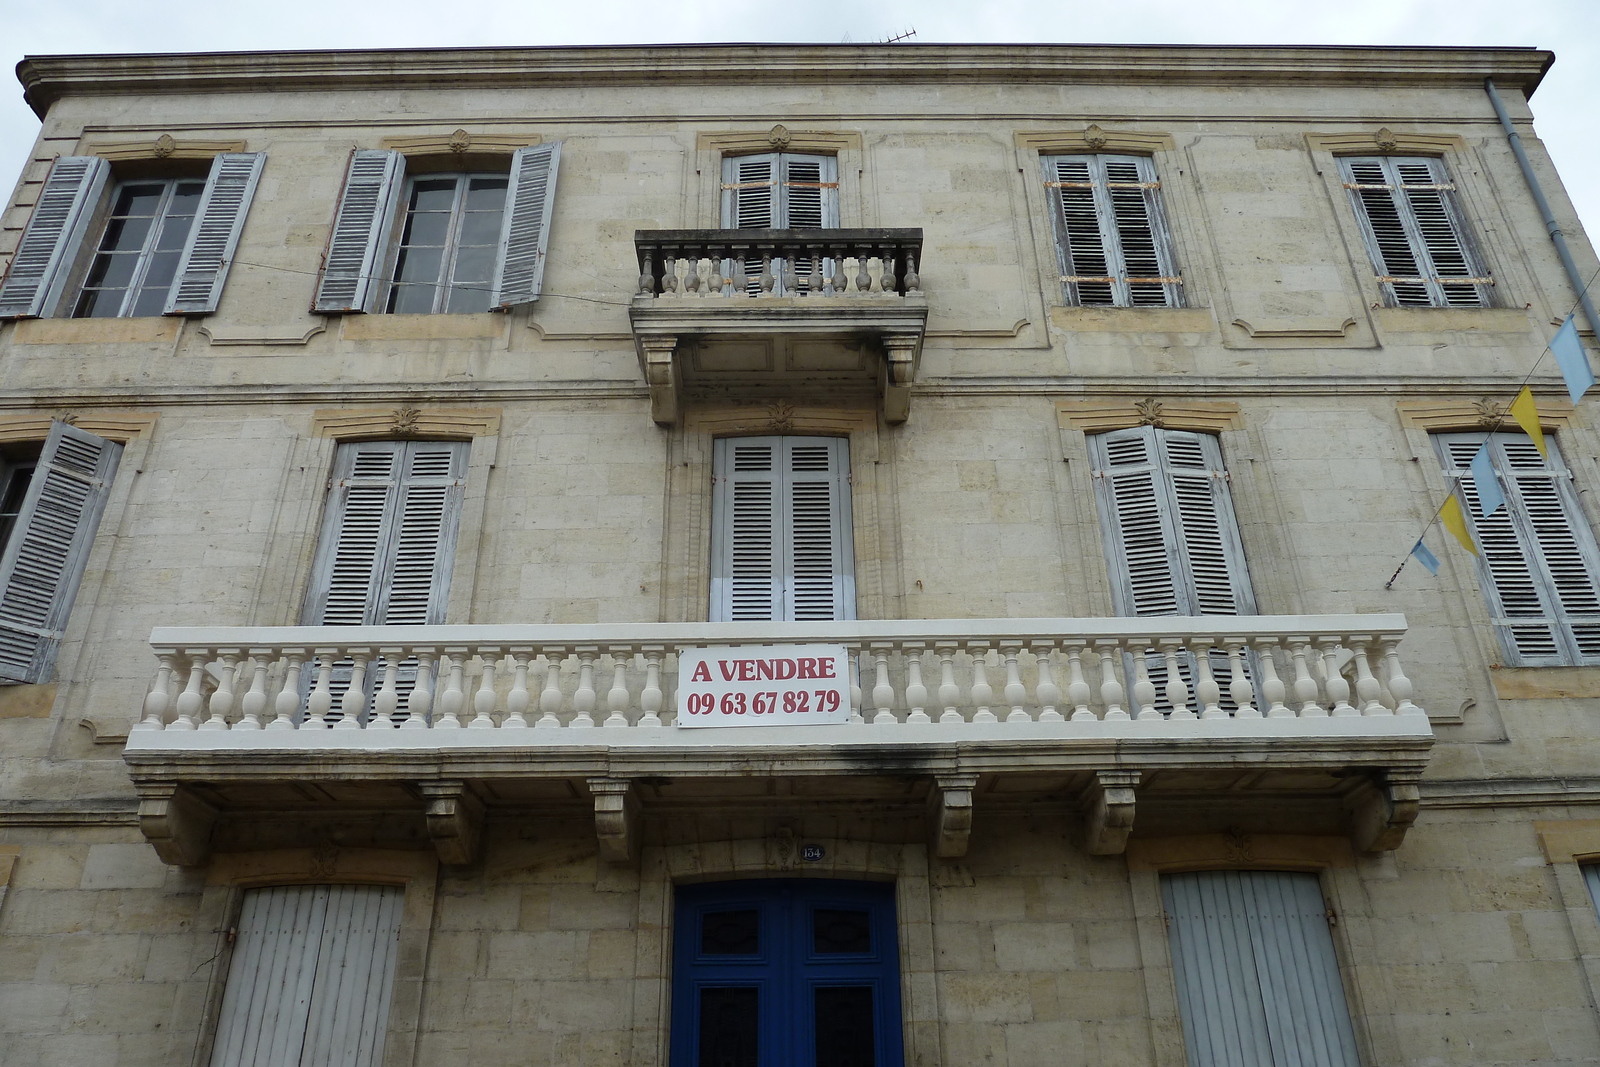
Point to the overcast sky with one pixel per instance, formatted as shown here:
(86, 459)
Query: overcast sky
(1563, 107)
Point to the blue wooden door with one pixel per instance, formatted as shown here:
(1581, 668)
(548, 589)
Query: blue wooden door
(786, 973)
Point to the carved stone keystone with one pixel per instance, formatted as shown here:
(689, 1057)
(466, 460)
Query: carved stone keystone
(616, 817)
(1108, 806)
(455, 820)
(951, 810)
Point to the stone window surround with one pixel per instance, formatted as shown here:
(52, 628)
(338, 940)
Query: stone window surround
(710, 148)
(230, 874)
(1330, 858)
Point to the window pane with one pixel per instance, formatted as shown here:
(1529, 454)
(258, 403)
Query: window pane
(473, 266)
(731, 933)
(412, 299)
(142, 199)
(481, 228)
(427, 228)
(844, 1026)
(419, 265)
(728, 1020)
(112, 270)
(468, 301)
(98, 304)
(125, 235)
(434, 194)
(486, 194)
(17, 480)
(841, 931)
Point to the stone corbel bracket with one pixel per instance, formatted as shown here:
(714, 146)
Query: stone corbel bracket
(455, 820)
(950, 812)
(902, 352)
(176, 822)
(661, 375)
(1382, 815)
(616, 818)
(1108, 812)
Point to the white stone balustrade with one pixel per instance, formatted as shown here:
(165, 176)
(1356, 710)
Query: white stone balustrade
(727, 264)
(918, 680)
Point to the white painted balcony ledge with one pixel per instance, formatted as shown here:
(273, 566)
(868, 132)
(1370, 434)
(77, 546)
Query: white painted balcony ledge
(955, 701)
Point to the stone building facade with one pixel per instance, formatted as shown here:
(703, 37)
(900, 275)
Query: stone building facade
(1058, 413)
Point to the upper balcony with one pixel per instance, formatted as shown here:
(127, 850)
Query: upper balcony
(1263, 724)
(738, 315)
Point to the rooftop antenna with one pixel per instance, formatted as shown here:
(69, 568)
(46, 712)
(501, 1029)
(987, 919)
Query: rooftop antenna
(898, 37)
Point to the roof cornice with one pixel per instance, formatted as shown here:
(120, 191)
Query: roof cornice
(47, 79)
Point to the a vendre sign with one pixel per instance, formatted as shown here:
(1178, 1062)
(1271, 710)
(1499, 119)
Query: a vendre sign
(763, 685)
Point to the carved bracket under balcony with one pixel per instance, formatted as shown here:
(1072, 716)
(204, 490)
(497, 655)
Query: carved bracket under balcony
(616, 818)
(1382, 815)
(176, 822)
(455, 820)
(1108, 812)
(812, 315)
(951, 804)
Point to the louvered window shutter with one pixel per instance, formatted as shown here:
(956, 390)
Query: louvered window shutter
(215, 235)
(1537, 559)
(1172, 542)
(525, 238)
(808, 198)
(43, 259)
(365, 218)
(1256, 972)
(1111, 233)
(750, 194)
(781, 546)
(49, 547)
(389, 534)
(1414, 232)
(311, 977)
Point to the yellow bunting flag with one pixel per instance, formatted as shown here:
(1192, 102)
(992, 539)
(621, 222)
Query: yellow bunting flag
(1526, 412)
(1454, 521)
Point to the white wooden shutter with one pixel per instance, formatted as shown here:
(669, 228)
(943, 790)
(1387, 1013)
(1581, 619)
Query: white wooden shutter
(525, 239)
(219, 220)
(781, 544)
(1537, 560)
(1256, 972)
(389, 534)
(43, 259)
(1111, 233)
(364, 219)
(1414, 231)
(49, 548)
(311, 977)
(1172, 542)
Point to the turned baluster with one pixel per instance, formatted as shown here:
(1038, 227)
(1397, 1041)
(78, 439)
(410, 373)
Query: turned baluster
(518, 699)
(669, 274)
(647, 277)
(856, 704)
(650, 698)
(791, 280)
(319, 705)
(767, 281)
(1273, 690)
(159, 698)
(452, 690)
(1239, 682)
(1305, 686)
(1338, 687)
(982, 691)
(353, 705)
(483, 701)
(741, 280)
(1048, 693)
(1144, 690)
(254, 702)
(863, 279)
(1206, 689)
(913, 283)
(189, 701)
(916, 692)
(1177, 689)
(1015, 693)
(1111, 691)
(287, 702)
(716, 282)
(691, 276)
(222, 696)
(387, 701)
(420, 702)
(617, 696)
(550, 698)
(949, 691)
(584, 697)
(1368, 691)
(816, 281)
(839, 282)
(882, 691)
(1399, 685)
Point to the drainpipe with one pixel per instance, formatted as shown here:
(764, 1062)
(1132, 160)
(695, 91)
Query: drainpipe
(1550, 223)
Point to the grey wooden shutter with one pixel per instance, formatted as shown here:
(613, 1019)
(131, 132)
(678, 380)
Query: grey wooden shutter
(781, 544)
(365, 217)
(49, 548)
(525, 239)
(808, 195)
(1256, 972)
(1415, 232)
(750, 195)
(1537, 559)
(389, 534)
(311, 977)
(1111, 232)
(215, 235)
(1172, 542)
(1591, 877)
(43, 259)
